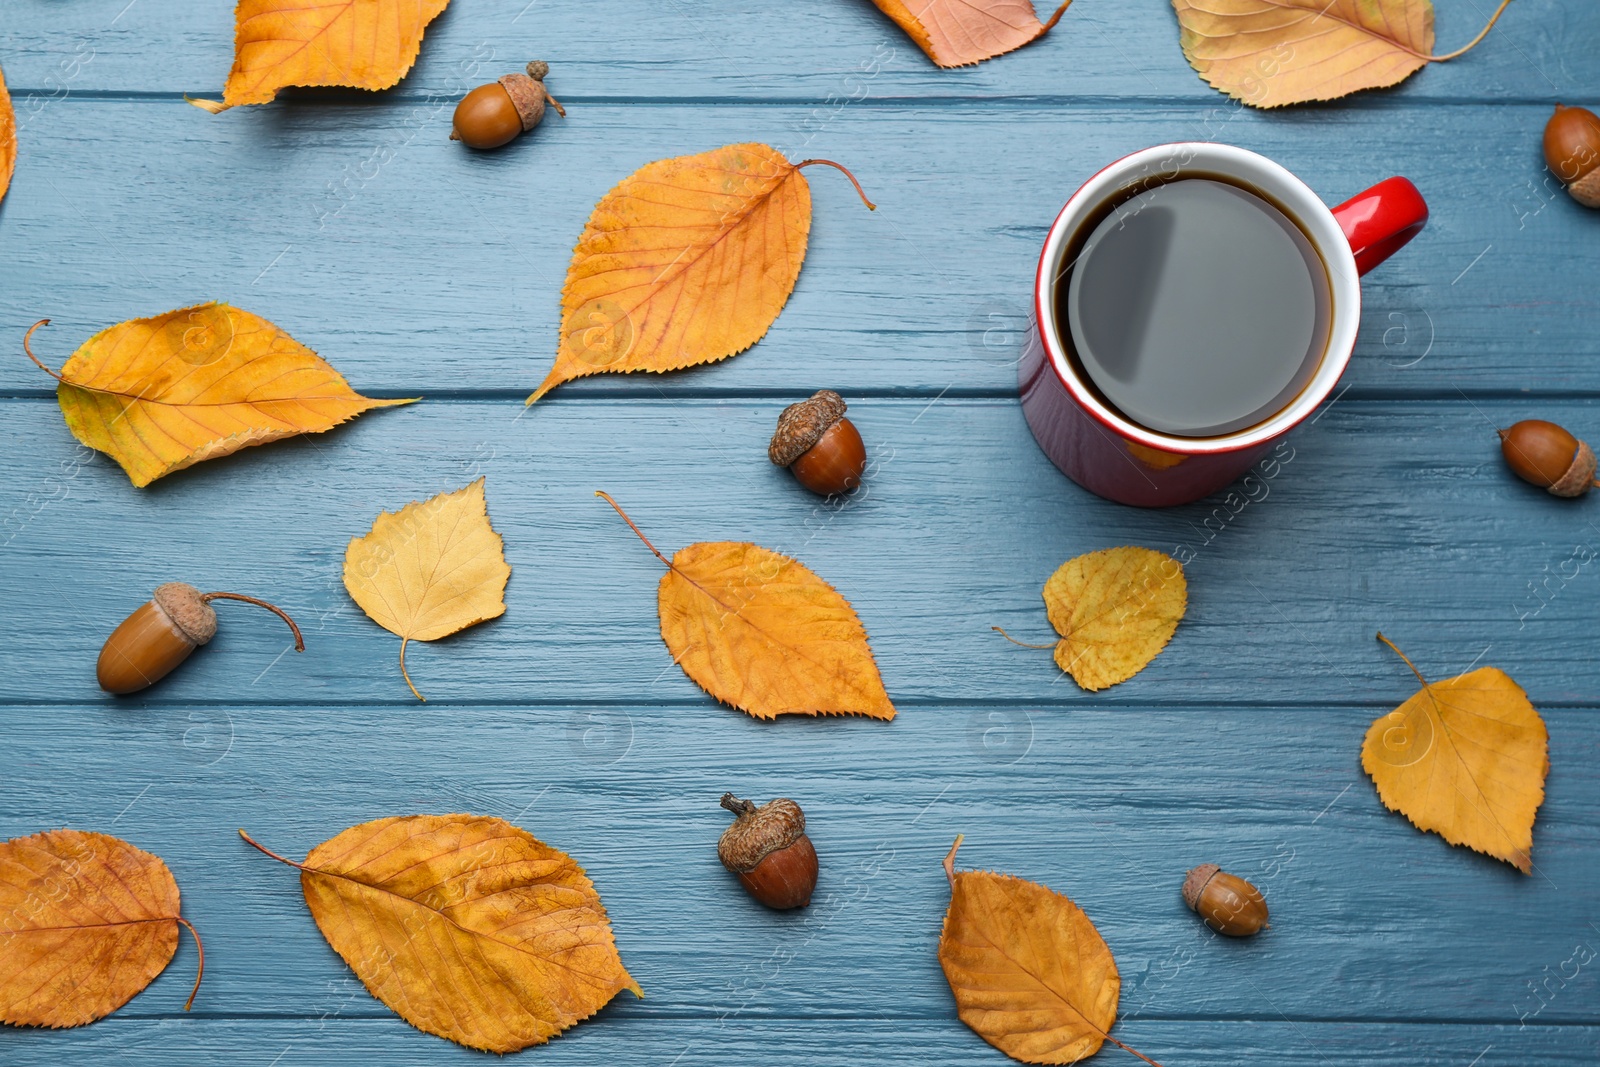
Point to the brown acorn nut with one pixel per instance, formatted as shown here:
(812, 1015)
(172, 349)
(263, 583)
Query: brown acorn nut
(1548, 456)
(767, 848)
(819, 445)
(1229, 904)
(163, 631)
(495, 114)
(1572, 152)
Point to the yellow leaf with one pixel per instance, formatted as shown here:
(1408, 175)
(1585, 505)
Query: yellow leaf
(89, 922)
(687, 261)
(761, 632)
(1269, 53)
(955, 33)
(367, 44)
(429, 569)
(1115, 610)
(465, 926)
(167, 392)
(1029, 971)
(1466, 759)
(8, 138)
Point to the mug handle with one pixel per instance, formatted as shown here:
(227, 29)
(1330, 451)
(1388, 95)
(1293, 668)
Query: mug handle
(1380, 221)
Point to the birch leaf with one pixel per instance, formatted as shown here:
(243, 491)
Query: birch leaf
(8, 138)
(90, 922)
(687, 261)
(465, 926)
(164, 393)
(1464, 758)
(430, 569)
(955, 33)
(1115, 610)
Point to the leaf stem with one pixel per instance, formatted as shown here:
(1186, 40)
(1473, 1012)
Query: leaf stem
(635, 529)
(200, 968)
(28, 336)
(950, 860)
(1062, 10)
(1403, 656)
(299, 641)
(263, 848)
(1014, 641)
(841, 167)
(406, 676)
(1470, 45)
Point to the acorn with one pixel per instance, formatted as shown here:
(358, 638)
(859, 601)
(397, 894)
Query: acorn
(819, 445)
(162, 633)
(767, 848)
(1229, 904)
(1572, 152)
(497, 113)
(1548, 456)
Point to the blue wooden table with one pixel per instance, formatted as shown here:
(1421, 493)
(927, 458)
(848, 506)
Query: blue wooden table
(419, 268)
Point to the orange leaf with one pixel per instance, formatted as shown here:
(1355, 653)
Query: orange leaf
(465, 926)
(761, 632)
(8, 138)
(1269, 53)
(1029, 971)
(90, 921)
(687, 261)
(955, 33)
(1465, 758)
(1115, 610)
(367, 44)
(167, 392)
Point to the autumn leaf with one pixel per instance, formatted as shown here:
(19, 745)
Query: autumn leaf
(1115, 609)
(90, 921)
(167, 392)
(365, 44)
(430, 569)
(465, 926)
(1268, 53)
(687, 261)
(955, 33)
(1466, 759)
(761, 632)
(1030, 973)
(8, 138)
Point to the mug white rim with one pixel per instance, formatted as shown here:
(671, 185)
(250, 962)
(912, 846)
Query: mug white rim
(1279, 186)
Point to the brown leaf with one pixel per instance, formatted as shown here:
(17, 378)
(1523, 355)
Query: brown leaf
(430, 569)
(1465, 758)
(761, 632)
(164, 393)
(1269, 53)
(90, 921)
(8, 138)
(1029, 971)
(687, 261)
(366, 44)
(465, 926)
(955, 33)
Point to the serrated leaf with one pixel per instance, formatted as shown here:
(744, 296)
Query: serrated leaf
(955, 33)
(8, 138)
(1115, 610)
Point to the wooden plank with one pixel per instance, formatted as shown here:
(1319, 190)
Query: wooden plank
(616, 1038)
(809, 50)
(1371, 918)
(1397, 516)
(420, 269)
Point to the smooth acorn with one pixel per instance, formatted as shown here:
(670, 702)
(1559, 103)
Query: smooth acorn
(767, 848)
(160, 635)
(1548, 456)
(1572, 152)
(1229, 904)
(497, 113)
(819, 445)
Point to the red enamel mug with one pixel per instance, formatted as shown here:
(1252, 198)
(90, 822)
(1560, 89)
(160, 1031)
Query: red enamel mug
(1111, 455)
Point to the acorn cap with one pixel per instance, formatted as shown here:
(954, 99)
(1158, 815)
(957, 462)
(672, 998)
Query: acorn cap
(528, 94)
(1195, 882)
(1586, 190)
(186, 609)
(1580, 473)
(802, 425)
(758, 832)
